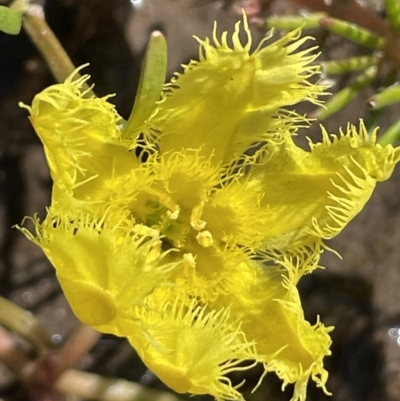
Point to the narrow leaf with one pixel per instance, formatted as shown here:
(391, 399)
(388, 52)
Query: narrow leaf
(353, 32)
(150, 85)
(21, 322)
(392, 134)
(386, 97)
(393, 13)
(349, 64)
(290, 22)
(346, 95)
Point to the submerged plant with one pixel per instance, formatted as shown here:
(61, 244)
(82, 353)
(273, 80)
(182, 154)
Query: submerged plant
(187, 229)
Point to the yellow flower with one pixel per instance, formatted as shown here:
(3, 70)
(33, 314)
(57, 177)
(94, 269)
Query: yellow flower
(189, 233)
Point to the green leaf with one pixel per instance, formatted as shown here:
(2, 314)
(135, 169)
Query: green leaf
(393, 13)
(353, 32)
(385, 98)
(346, 95)
(392, 135)
(10, 21)
(291, 22)
(150, 85)
(349, 64)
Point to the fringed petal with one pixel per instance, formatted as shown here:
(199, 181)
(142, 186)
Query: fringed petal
(232, 98)
(267, 303)
(82, 140)
(192, 349)
(105, 267)
(313, 195)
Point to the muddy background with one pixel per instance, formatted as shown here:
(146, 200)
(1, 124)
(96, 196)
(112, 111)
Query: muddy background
(360, 294)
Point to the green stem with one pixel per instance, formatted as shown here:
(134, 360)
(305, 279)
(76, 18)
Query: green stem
(43, 38)
(24, 324)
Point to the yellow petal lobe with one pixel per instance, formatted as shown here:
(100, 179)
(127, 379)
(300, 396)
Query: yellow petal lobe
(232, 98)
(191, 348)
